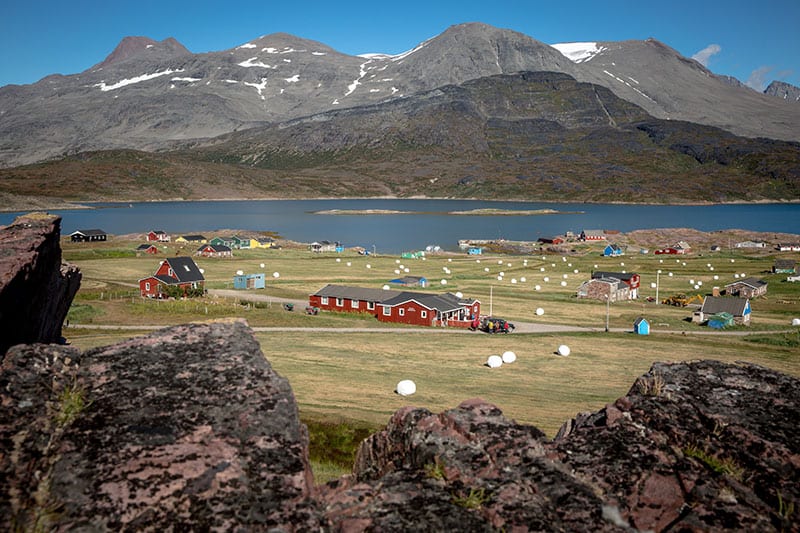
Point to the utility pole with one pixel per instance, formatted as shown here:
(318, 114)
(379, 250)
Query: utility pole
(658, 273)
(491, 289)
(608, 302)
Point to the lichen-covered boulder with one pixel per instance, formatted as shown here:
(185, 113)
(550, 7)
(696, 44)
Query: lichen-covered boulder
(697, 446)
(188, 428)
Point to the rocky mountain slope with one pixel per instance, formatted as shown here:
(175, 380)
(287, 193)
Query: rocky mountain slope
(786, 91)
(532, 135)
(670, 86)
(151, 95)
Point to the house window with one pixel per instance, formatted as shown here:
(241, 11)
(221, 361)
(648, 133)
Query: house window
(354, 304)
(323, 300)
(147, 285)
(423, 314)
(401, 312)
(339, 302)
(387, 311)
(371, 306)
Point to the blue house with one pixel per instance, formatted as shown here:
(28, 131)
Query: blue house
(612, 250)
(641, 326)
(475, 251)
(250, 281)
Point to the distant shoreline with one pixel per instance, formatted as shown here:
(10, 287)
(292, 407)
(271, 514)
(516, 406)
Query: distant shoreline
(11, 205)
(470, 212)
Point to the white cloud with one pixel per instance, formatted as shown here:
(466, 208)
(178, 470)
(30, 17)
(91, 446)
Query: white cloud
(704, 55)
(758, 78)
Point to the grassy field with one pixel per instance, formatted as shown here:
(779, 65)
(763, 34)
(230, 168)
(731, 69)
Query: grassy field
(344, 381)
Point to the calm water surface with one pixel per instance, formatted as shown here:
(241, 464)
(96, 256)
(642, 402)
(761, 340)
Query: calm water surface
(294, 219)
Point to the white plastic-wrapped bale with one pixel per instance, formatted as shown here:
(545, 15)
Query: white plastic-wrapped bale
(494, 361)
(796, 321)
(564, 350)
(539, 311)
(509, 357)
(406, 387)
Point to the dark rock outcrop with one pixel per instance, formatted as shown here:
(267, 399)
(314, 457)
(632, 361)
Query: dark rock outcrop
(36, 288)
(189, 428)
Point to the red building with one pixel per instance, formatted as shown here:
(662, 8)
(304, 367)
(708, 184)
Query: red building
(147, 248)
(181, 272)
(214, 250)
(158, 236)
(400, 307)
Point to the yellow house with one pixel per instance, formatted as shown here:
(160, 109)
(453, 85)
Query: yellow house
(196, 239)
(262, 242)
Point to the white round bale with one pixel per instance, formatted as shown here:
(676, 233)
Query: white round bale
(239, 272)
(796, 321)
(276, 275)
(563, 350)
(539, 310)
(537, 287)
(494, 361)
(406, 387)
(509, 357)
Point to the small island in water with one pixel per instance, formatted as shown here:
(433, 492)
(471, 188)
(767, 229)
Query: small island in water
(470, 212)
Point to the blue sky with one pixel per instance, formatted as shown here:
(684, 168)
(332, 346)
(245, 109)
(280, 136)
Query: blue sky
(755, 41)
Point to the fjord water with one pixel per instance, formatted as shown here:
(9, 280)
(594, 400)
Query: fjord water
(428, 225)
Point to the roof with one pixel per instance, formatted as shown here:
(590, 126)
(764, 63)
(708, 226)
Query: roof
(785, 263)
(89, 232)
(146, 246)
(750, 282)
(441, 302)
(185, 269)
(640, 320)
(193, 237)
(713, 305)
(216, 247)
(408, 280)
(593, 232)
(356, 293)
(625, 276)
(158, 231)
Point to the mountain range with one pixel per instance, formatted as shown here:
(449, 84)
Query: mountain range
(474, 105)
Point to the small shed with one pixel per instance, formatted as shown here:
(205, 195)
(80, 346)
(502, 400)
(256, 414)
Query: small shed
(613, 250)
(147, 248)
(411, 281)
(641, 326)
(475, 250)
(250, 281)
(784, 266)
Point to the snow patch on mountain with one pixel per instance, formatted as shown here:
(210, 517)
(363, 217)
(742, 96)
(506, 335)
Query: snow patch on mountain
(579, 52)
(293, 79)
(397, 57)
(137, 79)
(186, 79)
(258, 86)
(362, 71)
(254, 62)
(246, 45)
(628, 84)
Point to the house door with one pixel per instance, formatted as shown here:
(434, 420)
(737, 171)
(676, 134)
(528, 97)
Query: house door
(251, 283)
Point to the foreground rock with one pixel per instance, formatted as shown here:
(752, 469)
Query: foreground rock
(36, 289)
(189, 428)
